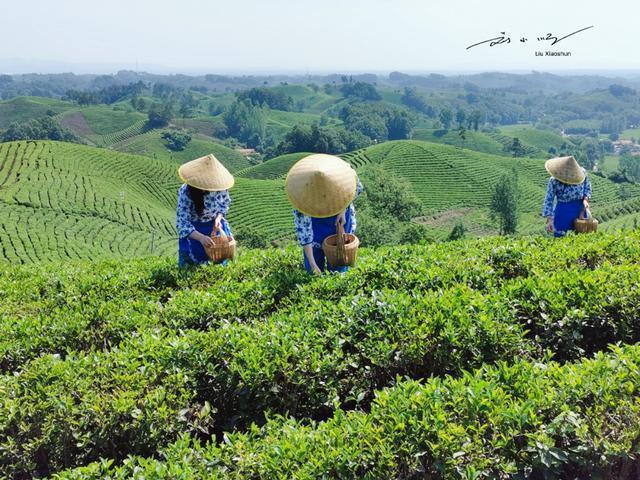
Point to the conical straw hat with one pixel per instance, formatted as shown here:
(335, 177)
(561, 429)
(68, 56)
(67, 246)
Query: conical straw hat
(321, 185)
(566, 169)
(206, 173)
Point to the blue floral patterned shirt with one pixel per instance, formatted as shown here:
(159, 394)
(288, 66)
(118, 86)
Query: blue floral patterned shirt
(564, 192)
(304, 230)
(214, 203)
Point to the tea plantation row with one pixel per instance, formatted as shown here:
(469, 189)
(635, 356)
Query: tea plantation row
(110, 360)
(527, 420)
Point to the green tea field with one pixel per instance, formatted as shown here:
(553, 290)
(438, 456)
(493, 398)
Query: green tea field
(71, 201)
(489, 358)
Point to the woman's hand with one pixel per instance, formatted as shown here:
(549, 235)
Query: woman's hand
(342, 219)
(585, 203)
(550, 224)
(217, 223)
(316, 270)
(205, 240)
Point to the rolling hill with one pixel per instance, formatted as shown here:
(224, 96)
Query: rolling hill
(69, 201)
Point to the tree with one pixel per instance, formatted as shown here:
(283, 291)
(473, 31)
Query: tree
(44, 128)
(446, 117)
(457, 232)
(630, 166)
(246, 122)
(462, 133)
(160, 115)
(461, 117)
(176, 141)
(504, 204)
(399, 126)
(474, 119)
(516, 148)
(389, 195)
(361, 90)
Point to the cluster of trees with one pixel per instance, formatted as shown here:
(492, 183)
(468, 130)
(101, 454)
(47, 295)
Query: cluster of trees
(262, 97)
(386, 208)
(45, 128)
(246, 122)
(378, 121)
(413, 100)
(176, 140)
(314, 138)
(630, 166)
(107, 95)
(462, 119)
(360, 91)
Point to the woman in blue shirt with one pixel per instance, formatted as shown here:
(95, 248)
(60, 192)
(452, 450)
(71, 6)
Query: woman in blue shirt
(570, 188)
(203, 203)
(321, 188)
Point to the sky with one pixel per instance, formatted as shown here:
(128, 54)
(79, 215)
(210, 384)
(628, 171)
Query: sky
(321, 36)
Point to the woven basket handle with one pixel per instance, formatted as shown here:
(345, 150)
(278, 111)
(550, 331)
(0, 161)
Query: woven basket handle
(223, 236)
(583, 213)
(340, 241)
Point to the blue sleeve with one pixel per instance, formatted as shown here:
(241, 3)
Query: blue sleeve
(183, 214)
(222, 202)
(304, 230)
(587, 188)
(547, 209)
(354, 222)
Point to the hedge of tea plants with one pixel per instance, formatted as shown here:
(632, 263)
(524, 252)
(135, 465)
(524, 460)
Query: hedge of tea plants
(112, 359)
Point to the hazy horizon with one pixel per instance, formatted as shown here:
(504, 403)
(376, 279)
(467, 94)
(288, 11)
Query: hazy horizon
(287, 37)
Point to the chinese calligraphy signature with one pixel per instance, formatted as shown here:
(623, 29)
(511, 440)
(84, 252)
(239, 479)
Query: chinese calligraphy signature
(549, 37)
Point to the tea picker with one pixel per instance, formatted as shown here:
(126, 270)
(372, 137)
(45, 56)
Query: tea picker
(321, 189)
(570, 189)
(203, 202)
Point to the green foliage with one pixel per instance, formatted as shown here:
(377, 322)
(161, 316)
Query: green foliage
(630, 165)
(126, 357)
(504, 204)
(249, 237)
(246, 122)
(313, 138)
(458, 232)
(176, 140)
(267, 97)
(45, 128)
(160, 114)
(388, 194)
(520, 420)
(360, 90)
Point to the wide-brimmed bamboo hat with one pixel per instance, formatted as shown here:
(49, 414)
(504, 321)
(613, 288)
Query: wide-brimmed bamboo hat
(321, 185)
(566, 169)
(206, 173)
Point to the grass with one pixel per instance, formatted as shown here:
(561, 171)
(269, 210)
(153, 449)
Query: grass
(631, 133)
(152, 145)
(274, 168)
(21, 109)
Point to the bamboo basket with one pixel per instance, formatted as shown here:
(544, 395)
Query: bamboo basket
(224, 248)
(585, 225)
(341, 249)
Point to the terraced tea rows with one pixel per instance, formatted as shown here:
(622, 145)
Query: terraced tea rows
(259, 370)
(137, 128)
(274, 168)
(70, 201)
(152, 145)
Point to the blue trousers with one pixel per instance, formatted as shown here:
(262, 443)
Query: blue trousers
(322, 228)
(564, 215)
(190, 251)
